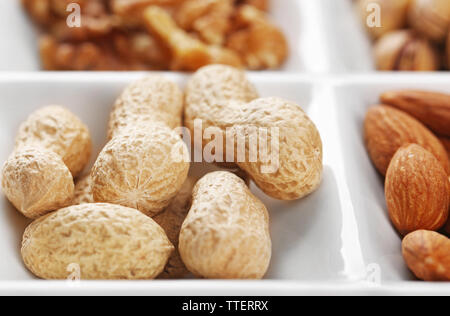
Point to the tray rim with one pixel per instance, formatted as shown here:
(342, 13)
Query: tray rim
(222, 288)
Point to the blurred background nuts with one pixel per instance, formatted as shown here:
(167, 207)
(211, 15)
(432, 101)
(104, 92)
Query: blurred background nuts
(431, 18)
(394, 14)
(404, 50)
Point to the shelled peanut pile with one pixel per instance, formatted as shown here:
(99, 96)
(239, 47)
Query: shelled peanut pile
(412, 35)
(158, 34)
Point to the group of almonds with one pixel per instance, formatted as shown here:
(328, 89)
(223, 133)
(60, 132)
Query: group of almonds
(409, 35)
(407, 137)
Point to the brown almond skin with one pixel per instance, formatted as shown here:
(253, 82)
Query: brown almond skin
(416, 190)
(386, 129)
(447, 52)
(447, 228)
(446, 142)
(427, 255)
(431, 108)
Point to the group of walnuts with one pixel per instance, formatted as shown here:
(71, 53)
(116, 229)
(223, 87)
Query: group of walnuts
(179, 35)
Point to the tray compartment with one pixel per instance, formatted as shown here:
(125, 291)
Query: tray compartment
(380, 243)
(299, 20)
(306, 234)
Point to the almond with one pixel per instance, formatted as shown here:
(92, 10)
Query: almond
(427, 255)
(446, 142)
(416, 190)
(387, 129)
(447, 228)
(431, 108)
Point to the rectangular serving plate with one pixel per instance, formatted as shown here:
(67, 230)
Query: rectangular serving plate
(336, 241)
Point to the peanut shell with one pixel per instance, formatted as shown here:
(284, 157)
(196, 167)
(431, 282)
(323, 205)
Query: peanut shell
(57, 129)
(143, 169)
(105, 241)
(222, 98)
(37, 181)
(153, 99)
(226, 233)
(83, 191)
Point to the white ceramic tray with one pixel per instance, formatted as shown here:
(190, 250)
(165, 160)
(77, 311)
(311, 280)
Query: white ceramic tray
(337, 241)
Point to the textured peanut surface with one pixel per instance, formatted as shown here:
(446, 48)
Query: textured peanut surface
(226, 233)
(417, 190)
(153, 99)
(57, 129)
(387, 129)
(222, 97)
(37, 181)
(171, 220)
(145, 163)
(142, 169)
(106, 241)
(427, 254)
(83, 191)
